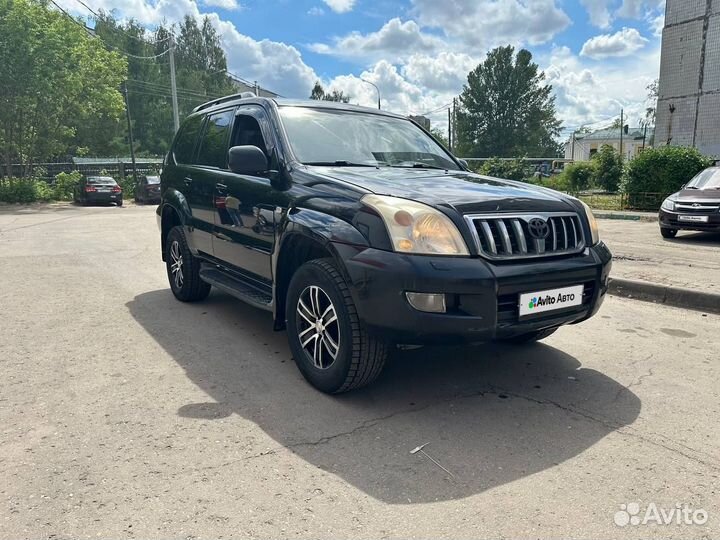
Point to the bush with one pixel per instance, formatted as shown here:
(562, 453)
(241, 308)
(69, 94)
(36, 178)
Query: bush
(24, 190)
(515, 169)
(65, 184)
(664, 169)
(578, 176)
(608, 169)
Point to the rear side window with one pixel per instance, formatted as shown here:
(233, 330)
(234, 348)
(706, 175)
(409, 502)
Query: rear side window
(184, 150)
(214, 145)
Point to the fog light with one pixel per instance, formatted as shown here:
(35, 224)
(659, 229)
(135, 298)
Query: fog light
(429, 302)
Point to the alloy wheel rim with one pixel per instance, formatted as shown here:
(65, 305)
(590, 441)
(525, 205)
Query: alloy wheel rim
(318, 327)
(176, 264)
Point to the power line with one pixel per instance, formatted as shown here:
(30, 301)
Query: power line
(81, 25)
(101, 16)
(156, 86)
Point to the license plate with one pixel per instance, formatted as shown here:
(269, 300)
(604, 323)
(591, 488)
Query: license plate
(550, 300)
(700, 219)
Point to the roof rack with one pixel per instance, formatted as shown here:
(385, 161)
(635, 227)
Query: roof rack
(223, 100)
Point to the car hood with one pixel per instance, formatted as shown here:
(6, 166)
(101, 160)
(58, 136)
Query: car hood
(698, 195)
(464, 191)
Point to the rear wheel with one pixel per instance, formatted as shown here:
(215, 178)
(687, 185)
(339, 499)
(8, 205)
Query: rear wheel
(532, 337)
(183, 269)
(668, 233)
(331, 347)
(119, 203)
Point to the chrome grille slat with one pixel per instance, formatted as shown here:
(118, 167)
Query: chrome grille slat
(509, 236)
(489, 237)
(520, 235)
(505, 237)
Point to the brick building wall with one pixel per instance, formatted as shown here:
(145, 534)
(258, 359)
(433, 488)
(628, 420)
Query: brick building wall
(688, 110)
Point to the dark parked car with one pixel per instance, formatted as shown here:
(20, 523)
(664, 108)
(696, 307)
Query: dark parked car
(147, 190)
(357, 230)
(98, 190)
(696, 207)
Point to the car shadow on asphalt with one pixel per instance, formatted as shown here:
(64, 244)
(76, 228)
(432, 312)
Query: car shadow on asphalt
(707, 239)
(490, 414)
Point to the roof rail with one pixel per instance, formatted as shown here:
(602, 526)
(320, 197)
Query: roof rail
(223, 100)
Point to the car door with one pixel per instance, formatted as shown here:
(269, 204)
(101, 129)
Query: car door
(246, 205)
(186, 177)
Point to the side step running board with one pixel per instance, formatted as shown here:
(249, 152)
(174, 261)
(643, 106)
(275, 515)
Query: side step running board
(239, 289)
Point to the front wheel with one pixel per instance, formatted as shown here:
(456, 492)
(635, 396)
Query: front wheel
(668, 233)
(183, 269)
(331, 347)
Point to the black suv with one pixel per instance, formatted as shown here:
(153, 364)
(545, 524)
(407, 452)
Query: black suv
(358, 230)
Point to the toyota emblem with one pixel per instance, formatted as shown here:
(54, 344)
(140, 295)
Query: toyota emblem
(538, 228)
(696, 205)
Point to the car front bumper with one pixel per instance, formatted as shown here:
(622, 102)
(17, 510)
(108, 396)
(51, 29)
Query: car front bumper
(482, 298)
(671, 220)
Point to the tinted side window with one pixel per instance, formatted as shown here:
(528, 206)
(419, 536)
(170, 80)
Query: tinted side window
(184, 150)
(247, 132)
(214, 145)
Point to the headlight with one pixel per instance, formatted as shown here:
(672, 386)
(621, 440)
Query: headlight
(594, 232)
(668, 204)
(417, 228)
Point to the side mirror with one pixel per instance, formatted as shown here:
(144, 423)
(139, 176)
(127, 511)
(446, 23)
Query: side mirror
(463, 163)
(247, 160)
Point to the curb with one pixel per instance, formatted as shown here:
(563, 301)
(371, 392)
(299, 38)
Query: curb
(706, 302)
(627, 217)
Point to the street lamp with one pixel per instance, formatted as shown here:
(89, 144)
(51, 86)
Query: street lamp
(376, 88)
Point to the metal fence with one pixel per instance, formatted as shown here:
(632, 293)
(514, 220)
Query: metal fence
(647, 201)
(117, 168)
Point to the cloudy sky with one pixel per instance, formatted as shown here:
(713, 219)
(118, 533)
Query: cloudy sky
(599, 55)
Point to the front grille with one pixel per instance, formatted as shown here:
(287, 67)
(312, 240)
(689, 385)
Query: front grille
(508, 309)
(697, 207)
(518, 236)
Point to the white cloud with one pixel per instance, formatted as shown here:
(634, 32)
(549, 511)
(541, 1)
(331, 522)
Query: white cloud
(340, 6)
(599, 12)
(229, 5)
(487, 23)
(445, 72)
(586, 96)
(622, 43)
(316, 11)
(395, 38)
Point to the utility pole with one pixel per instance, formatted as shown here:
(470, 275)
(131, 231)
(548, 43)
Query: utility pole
(173, 84)
(450, 140)
(454, 121)
(644, 135)
(257, 89)
(622, 128)
(572, 147)
(130, 135)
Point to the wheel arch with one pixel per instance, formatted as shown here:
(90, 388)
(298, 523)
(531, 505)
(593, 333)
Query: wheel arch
(173, 211)
(308, 235)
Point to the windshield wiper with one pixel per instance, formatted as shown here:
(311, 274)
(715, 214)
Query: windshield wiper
(417, 165)
(691, 187)
(340, 163)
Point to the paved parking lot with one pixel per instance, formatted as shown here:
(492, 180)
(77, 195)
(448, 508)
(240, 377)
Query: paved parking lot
(127, 414)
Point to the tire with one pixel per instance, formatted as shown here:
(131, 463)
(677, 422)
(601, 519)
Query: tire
(668, 233)
(119, 203)
(359, 357)
(188, 287)
(532, 337)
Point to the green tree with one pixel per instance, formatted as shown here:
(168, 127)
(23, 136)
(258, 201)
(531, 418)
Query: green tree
(506, 109)
(440, 135)
(608, 168)
(319, 93)
(55, 78)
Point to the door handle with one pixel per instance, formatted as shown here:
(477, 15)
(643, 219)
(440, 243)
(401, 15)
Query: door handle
(221, 187)
(188, 180)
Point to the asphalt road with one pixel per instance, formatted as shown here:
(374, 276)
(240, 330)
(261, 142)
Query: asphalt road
(690, 260)
(124, 413)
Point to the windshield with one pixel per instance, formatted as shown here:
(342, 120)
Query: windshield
(345, 138)
(101, 181)
(707, 179)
